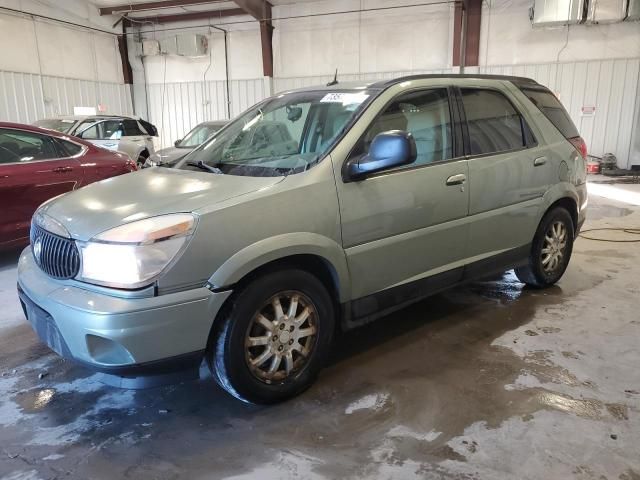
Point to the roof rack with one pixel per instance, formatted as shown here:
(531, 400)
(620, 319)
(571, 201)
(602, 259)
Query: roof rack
(509, 78)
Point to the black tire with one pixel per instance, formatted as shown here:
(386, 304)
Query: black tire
(535, 274)
(142, 159)
(228, 358)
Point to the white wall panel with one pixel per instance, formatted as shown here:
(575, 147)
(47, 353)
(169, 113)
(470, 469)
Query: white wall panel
(507, 37)
(413, 37)
(27, 97)
(175, 108)
(609, 85)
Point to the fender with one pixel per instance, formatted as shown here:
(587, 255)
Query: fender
(280, 247)
(555, 193)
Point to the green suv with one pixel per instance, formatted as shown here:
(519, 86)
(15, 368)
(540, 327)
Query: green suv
(252, 257)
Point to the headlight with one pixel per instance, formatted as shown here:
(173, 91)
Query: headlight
(132, 255)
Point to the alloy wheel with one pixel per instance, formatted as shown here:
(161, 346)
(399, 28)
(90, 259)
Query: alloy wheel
(554, 247)
(281, 337)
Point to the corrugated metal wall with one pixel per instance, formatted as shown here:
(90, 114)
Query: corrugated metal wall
(26, 97)
(175, 108)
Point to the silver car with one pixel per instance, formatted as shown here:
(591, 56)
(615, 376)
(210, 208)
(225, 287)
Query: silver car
(168, 157)
(129, 135)
(250, 255)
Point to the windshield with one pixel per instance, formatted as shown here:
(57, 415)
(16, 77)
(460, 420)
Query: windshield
(198, 135)
(60, 125)
(283, 135)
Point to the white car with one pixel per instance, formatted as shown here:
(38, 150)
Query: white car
(129, 135)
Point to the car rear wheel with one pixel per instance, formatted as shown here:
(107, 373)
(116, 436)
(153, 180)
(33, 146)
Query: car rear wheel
(274, 337)
(550, 251)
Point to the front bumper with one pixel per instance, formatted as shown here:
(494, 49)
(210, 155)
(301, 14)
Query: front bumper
(114, 334)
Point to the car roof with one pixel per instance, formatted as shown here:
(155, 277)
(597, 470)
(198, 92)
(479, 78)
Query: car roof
(90, 117)
(33, 128)
(215, 122)
(383, 84)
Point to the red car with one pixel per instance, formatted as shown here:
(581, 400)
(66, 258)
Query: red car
(37, 164)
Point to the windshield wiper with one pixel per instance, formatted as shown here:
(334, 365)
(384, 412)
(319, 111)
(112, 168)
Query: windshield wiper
(203, 166)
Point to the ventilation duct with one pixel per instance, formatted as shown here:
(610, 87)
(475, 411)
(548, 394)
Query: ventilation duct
(187, 45)
(606, 11)
(558, 12)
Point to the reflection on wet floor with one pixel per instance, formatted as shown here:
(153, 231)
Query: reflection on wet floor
(600, 211)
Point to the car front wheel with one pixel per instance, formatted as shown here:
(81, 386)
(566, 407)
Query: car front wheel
(550, 250)
(273, 339)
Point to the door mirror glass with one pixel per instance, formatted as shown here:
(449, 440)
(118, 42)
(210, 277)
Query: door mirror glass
(388, 150)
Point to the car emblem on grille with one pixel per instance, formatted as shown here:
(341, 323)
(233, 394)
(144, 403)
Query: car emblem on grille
(37, 249)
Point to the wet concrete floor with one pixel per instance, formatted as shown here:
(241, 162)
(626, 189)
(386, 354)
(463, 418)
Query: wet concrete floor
(490, 380)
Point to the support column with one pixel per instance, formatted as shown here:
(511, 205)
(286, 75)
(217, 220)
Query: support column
(466, 33)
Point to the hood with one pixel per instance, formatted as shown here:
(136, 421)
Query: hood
(170, 155)
(146, 193)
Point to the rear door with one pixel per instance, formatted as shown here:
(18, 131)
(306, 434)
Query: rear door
(508, 172)
(33, 169)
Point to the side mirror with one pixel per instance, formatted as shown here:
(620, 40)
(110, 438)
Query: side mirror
(177, 142)
(387, 150)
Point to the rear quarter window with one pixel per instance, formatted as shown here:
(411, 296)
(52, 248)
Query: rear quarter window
(551, 107)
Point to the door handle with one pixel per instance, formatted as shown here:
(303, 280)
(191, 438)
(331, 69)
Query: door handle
(62, 169)
(539, 161)
(458, 179)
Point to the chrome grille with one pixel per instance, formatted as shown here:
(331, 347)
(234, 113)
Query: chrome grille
(57, 256)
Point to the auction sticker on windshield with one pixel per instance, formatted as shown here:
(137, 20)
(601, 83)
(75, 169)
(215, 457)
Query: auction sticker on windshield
(345, 98)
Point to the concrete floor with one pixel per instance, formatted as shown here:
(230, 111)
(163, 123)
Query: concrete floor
(486, 381)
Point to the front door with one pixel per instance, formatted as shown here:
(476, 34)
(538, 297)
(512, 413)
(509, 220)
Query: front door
(32, 170)
(405, 227)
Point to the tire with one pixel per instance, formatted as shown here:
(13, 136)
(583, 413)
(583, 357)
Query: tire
(142, 159)
(542, 270)
(231, 361)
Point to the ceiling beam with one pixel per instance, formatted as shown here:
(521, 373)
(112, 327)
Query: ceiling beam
(142, 7)
(181, 17)
(258, 9)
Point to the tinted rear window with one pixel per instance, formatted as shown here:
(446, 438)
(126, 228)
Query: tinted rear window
(553, 110)
(494, 124)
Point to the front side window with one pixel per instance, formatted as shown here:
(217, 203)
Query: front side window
(425, 114)
(101, 130)
(18, 146)
(88, 131)
(494, 124)
(283, 135)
